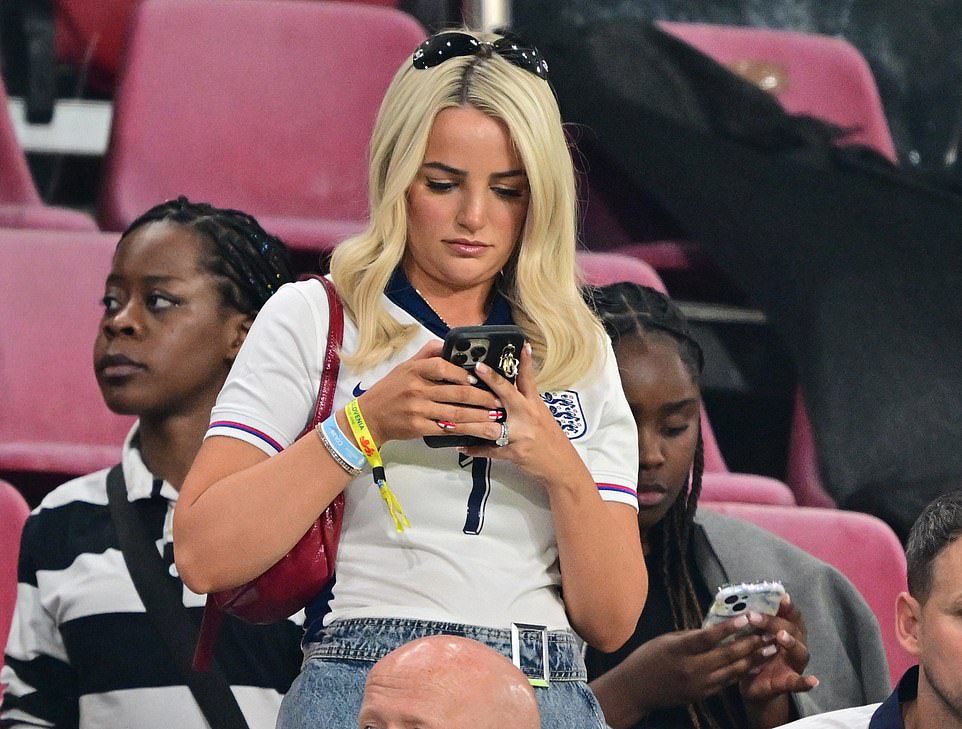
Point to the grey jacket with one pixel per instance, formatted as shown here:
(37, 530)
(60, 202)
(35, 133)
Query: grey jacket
(847, 654)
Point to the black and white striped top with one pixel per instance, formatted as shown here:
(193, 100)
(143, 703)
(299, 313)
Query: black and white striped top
(82, 652)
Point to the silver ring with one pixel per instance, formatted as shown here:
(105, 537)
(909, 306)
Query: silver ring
(502, 440)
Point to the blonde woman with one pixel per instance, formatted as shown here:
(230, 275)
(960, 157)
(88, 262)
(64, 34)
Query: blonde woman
(516, 544)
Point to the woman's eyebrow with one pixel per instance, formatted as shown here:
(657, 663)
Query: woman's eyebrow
(150, 279)
(440, 166)
(678, 406)
(445, 168)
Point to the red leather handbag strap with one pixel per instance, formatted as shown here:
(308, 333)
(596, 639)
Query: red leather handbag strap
(332, 357)
(213, 615)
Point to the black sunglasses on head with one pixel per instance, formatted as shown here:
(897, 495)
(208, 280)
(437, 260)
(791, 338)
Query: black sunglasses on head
(439, 48)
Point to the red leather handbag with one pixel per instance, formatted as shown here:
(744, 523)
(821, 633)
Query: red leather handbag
(308, 568)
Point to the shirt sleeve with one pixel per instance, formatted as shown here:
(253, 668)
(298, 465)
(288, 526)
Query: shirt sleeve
(40, 685)
(611, 448)
(269, 395)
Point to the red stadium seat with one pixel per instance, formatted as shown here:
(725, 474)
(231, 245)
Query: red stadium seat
(13, 513)
(860, 546)
(266, 106)
(606, 268)
(90, 35)
(20, 203)
(52, 418)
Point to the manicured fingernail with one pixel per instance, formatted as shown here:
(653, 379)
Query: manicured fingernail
(495, 414)
(472, 380)
(741, 621)
(445, 425)
(786, 638)
(754, 618)
(769, 650)
(527, 347)
(481, 367)
(817, 682)
(767, 637)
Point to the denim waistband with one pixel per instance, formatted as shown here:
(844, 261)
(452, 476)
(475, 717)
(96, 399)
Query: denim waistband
(369, 639)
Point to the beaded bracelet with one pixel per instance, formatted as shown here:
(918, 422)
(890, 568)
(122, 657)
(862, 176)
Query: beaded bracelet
(362, 435)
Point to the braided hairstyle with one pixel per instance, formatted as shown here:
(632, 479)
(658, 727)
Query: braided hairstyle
(631, 310)
(248, 263)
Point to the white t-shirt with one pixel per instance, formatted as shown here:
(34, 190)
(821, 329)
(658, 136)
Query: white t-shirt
(857, 717)
(491, 567)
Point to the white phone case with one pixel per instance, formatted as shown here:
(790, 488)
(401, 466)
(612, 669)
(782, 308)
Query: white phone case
(733, 600)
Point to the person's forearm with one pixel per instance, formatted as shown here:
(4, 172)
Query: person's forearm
(239, 511)
(768, 714)
(603, 572)
(621, 697)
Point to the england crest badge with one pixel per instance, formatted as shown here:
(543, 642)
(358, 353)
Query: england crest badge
(565, 405)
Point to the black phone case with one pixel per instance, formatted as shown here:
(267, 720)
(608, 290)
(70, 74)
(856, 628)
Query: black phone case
(498, 346)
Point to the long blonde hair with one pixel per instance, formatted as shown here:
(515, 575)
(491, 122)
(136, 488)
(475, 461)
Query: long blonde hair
(540, 279)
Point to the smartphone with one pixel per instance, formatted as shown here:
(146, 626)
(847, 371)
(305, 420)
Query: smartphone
(733, 600)
(498, 346)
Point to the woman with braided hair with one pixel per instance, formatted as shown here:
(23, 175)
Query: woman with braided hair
(185, 284)
(672, 672)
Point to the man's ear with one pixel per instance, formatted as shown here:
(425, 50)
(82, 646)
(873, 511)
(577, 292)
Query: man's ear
(238, 333)
(908, 623)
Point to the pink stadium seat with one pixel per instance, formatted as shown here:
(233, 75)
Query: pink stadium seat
(13, 513)
(810, 74)
(749, 488)
(91, 35)
(266, 105)
(52, 418)
(20, 203)
(802, 467)
(860, 546)
(606, 268)
(600, 269)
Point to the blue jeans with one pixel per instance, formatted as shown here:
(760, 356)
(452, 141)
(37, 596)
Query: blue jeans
(327, 694)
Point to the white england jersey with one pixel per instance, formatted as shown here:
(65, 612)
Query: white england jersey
(481, 547)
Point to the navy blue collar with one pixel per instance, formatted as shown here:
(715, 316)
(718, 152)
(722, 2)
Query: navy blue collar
(889, 714)
(401, 292)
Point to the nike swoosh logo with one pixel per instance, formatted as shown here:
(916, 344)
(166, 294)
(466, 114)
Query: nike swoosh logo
(358, 391)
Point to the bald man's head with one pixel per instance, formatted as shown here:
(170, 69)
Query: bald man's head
(448, 682)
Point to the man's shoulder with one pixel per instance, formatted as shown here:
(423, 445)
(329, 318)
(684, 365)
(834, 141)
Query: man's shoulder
(857, 717)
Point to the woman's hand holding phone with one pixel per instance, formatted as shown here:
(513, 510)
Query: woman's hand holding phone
(680, 668)
(420, 392)
(498, 347)
(766, 688)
